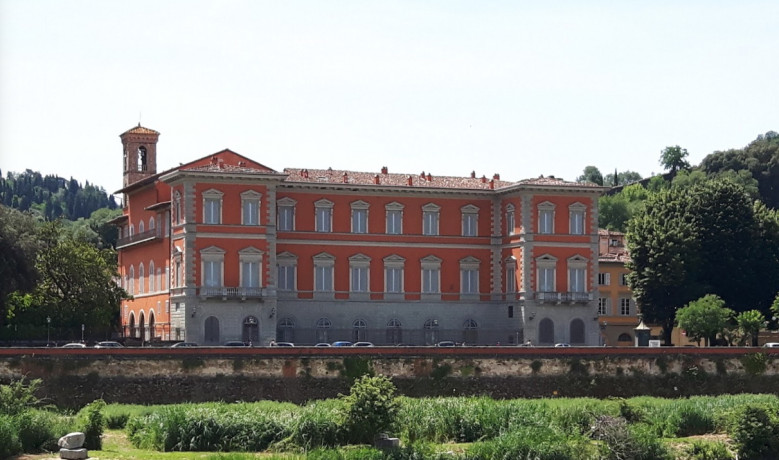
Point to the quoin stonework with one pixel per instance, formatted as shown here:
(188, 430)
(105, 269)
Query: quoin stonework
(226, 248)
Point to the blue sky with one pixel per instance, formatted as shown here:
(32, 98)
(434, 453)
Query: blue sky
(447, 87)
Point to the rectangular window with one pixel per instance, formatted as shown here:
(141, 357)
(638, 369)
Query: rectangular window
(212, 273)
(250, 274)
(511, 311)
(394, 280)
(603, 306)
(510, 223)
(430, 280)
(359, 279)
(577, 282)
(624, 307)
(545, 221)
(430, 223)
(511, 279)
(251, 212)
(623, 279)
(359, 221)
(323, 278)
(469, 283)
(604, 279)
(577, 223)
(324, 219)
(286, 277)
(177, 274)
(469, 224)
(167, 278)
(286, 218)
(546, 279)
(212, 210)
(394, 222)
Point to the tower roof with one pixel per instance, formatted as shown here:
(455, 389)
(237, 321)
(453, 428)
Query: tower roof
(139, 130)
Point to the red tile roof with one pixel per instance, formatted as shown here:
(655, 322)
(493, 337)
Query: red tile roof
(140, 130)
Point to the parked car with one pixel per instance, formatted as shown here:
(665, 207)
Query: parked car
(323, 344)
(108, 344)
(563, 345)
(74, 345)
(342, 343)
(771, 345)
(362, 344)
(283, 344)
(183, 345)
(446, 343)
(235, 343)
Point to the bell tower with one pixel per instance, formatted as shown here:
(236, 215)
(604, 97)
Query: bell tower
(140, 154)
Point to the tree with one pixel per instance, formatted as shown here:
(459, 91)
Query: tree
(749, 324)
(704, 318)
(591, 174)
(623, 178)
(613, 212)
(18, 247)
(673, 159)
(707, 239)
(370, 407)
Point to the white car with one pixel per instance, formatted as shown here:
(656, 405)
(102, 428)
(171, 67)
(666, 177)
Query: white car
(74, 345)
(771, 345)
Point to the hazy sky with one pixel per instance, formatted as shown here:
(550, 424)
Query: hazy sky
(522, 88)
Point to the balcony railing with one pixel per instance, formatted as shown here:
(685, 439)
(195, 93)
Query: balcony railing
(148, 235)
(563, 297)
(225, 292)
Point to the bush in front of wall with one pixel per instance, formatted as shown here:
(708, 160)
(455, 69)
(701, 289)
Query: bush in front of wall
(92, 424)
(755, 433)
(370, 408)
(9, 438)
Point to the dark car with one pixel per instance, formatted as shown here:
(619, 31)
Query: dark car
(446, 343)
(342, 343)
(235, 343)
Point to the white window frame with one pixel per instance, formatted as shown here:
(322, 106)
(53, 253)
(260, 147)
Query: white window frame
(359, 274)
(394, 218)
(250, 207)
(360, 216)
(247, 258)
(431, 276)
(625, 306)
(577, 212)
(546, 217)
(394, 268)
(511, 223)
(286, 273)
(469, 276)
(211, 260)
(603, 306)
(577, 274)
(470, 220)
(430, 219)
(546, 273)
(604, 279)
(141, 278)
(131, 281)
(323, 216)
(152, 283)
(212, 207)
(285, 214)
(511, 275)
(178, 218)
(623, 279)
(324, 279)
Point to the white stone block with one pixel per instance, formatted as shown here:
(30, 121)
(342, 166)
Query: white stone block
(74, 453)
(72, 440)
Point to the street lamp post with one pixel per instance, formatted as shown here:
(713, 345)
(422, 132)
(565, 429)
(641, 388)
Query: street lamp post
(48, 329)
(82, 333)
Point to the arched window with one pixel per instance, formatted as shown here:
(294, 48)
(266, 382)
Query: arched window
(131, 326)
(140, 227)
(251, 330)
(431, 331)
(624, 338)
(142, 326)
(285, 330)
(212, 330)
(546, 332)
(132, 229)
(322, 329)
(359, 330)
(142, 165)
(577, 331)
(152, 280)
(152, 324)
(131, 281)
(470, 332)
(394, 332)
(151, 223)
(141, 279)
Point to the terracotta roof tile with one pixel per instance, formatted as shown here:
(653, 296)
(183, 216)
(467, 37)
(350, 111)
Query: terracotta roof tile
(140, 130)
(228, 168)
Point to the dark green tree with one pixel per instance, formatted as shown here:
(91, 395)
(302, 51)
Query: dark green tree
(591, 174)
(673, 159)
(623, 178)
(704, 318)
(749, 324)
(18, 248)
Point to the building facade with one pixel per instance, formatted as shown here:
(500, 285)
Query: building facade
(225, 248)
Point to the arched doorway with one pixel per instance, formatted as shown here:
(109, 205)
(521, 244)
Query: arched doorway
(285, 330)
(211, 335)
(359, 329)
(151, 332)
(251, 330)
(546, 332)
(577, 331)
(131, 326)
(470, 332)
(394, 332)
(141, 326)
(431, 332)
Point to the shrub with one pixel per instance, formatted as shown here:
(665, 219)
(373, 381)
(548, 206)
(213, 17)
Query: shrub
(9, 439)
(370, 408)
(320, 424)
(18, 396)
(92, 424)
(621, 441)
(707, 450)
(754, 434)
(539, 443)
(39, 430)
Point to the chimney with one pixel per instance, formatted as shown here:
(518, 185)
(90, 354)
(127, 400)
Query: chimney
(384, 170)
(410, 180)
(422, 175)
(492, 185)
(346, 178)
(305, 173)
(473, 174)
(429, 177)
(221, 164)
(214, 160)
(376, 178)
(496, 176)
(483, 179)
